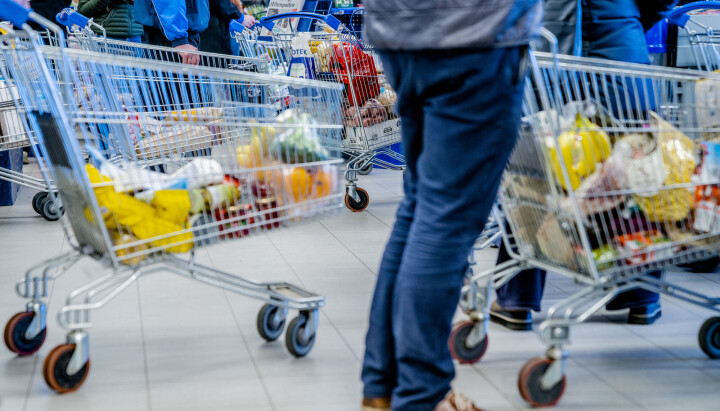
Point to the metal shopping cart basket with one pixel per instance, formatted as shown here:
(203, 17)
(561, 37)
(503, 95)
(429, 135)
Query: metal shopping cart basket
(13, 135)
(266, 168)
(371, 124)
(85, 34)
(602, 187)
(697, 40)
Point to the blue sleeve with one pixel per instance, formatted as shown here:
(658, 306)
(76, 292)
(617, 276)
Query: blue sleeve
(172, 17)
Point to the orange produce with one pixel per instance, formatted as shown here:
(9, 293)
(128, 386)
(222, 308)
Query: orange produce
(321, 184)
(298, 182)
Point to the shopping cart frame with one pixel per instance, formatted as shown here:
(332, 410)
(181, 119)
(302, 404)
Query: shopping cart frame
(279, 296)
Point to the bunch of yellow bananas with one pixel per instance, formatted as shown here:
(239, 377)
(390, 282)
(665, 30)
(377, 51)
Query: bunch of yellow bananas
(581, 149)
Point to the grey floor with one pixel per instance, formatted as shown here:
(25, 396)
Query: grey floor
(168, 343)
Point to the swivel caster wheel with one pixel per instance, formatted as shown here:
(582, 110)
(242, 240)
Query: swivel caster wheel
(37, 201)
(359, 205)
(530, 386)
(459, 347)
(709, 337)
(55, 370)
(295, 341)
(366, 169)
(270, 322)
(15, 338)
(50, 211)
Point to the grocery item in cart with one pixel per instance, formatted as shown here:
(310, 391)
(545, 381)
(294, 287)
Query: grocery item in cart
(166, 141)
(679, 159)
(355, 67)
(302, 64)
(581, 148)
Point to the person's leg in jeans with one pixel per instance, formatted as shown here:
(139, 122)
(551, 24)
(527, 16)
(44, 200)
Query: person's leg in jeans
(470, 103)
(517, 297)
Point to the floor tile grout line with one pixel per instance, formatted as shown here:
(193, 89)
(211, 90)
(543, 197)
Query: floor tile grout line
(496, 387)
(372, 272)
(26, 401)
(245, 342)
(146, 366)
(596, 375)
(347, 344)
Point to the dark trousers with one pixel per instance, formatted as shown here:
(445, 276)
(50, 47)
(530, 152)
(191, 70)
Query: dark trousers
(525, 291)
(460, 111)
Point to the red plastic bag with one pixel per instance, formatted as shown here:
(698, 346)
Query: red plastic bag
(357, 71)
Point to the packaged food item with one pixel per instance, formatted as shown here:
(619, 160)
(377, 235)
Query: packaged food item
(302, 64)
(604, 257)
(354, 67)
(643, 246)
(710, 165)
(643, 162)
(706, 199)
(233, 223)
(121, 241)
(680, 161)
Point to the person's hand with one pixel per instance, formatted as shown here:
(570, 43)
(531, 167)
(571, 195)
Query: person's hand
(248, 21)
(188, 58)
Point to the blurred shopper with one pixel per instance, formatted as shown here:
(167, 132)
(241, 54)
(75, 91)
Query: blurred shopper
(458, 68)
(117, 17)
(174, 23)
(216, 38)
(608, 29)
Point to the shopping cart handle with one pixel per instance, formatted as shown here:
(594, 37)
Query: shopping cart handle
(236, 26)
(69, 17)
(13, 12)
(680, 17)
(269, 22)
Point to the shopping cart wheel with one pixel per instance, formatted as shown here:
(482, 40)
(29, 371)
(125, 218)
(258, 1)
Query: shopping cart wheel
(50, 211)
(269, 326)
(531, 388)
(37, 201)
(15, 334)
(366, 169)
(357, 205)
(55, 370)
(709, 337)
(295, 341)
(458, 344)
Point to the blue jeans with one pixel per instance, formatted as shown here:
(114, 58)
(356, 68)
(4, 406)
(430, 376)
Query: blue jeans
(460, 111)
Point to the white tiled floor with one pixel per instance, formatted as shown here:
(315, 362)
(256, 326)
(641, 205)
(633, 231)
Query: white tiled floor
(168, 343)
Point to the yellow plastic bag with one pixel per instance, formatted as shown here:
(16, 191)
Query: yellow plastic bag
(678, 154)
(122, 210)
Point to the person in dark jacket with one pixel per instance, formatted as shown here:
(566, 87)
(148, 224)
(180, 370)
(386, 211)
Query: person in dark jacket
(216, 38)
(457, 67)
(609, 29)
(117, 17)
(48, 9)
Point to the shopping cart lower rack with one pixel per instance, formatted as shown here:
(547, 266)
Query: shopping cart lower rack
(602, 187)
(141, 213)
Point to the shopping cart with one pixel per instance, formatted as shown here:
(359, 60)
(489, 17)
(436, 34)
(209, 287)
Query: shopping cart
(13, 135)
(602, 187)
(265, 169)
(253, 44)
(85, 34)
(697, 43)
(371, 124)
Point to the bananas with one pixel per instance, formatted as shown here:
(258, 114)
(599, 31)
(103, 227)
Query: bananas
(581, 149)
